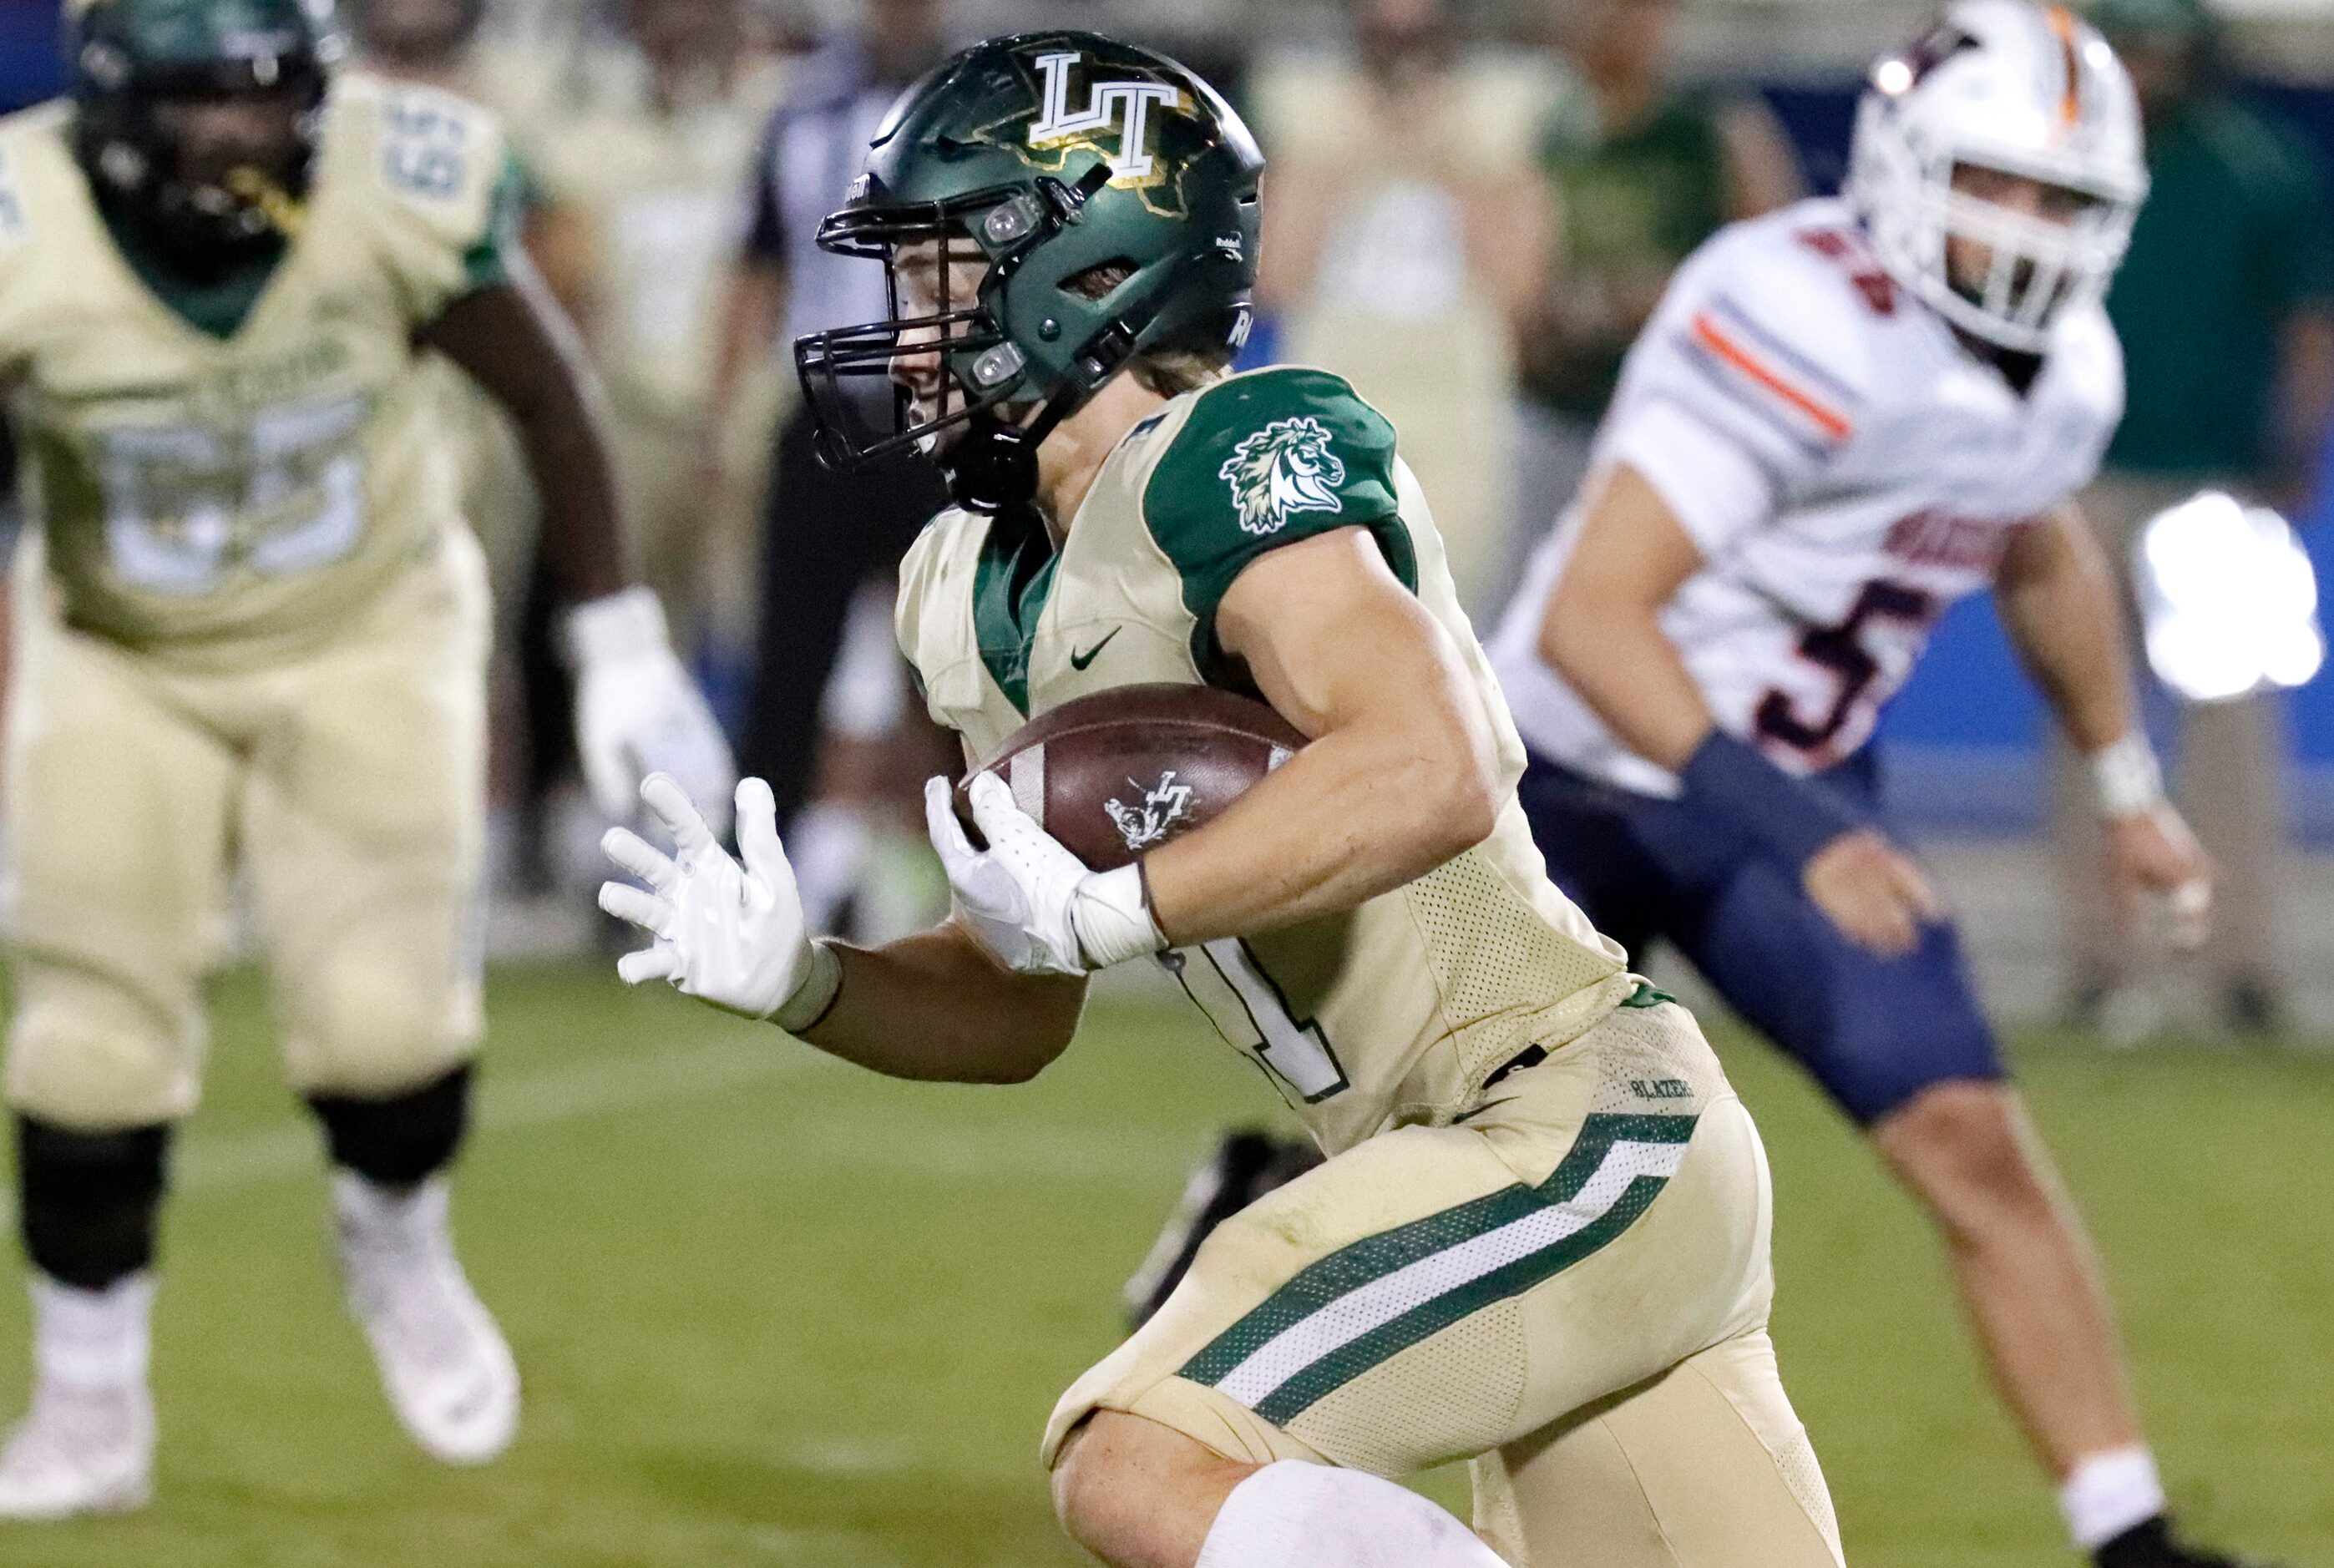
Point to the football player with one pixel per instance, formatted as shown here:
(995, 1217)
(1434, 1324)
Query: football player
(1842, 419)
(1540, 1238)
(252, 640)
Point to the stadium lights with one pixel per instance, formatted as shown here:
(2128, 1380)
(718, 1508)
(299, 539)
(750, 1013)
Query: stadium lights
(2229, 599)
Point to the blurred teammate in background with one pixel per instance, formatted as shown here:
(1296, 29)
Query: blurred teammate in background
(2225, 307)
(1840, 419)
(830, 540)
(1639, 172)
(252, 642)
(644, 210)
(1406, 239)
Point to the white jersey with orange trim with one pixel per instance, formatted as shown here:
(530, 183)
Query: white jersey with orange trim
(1849, 469)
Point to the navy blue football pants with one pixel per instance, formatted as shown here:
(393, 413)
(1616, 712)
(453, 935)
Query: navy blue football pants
(1874, 1032)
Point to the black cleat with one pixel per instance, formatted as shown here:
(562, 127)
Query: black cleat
(1245, 1167)
(2150, 1545)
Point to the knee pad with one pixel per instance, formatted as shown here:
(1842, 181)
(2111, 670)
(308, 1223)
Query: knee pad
(89, 1200)
(401, 1142)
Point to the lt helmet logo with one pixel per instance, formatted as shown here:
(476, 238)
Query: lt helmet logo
(1125, 102)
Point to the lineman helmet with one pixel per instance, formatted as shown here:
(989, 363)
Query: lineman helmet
(1112, 195)
(2025, 89)
(133, 60)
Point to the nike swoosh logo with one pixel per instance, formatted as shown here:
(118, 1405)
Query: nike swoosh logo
(1080, 660)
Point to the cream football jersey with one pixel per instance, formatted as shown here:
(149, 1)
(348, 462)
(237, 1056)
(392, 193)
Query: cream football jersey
(1847, 468)
(1396, 1011)
(219, 498)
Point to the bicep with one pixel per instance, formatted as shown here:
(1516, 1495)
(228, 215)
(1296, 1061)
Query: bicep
(512, 339)
(1632, 552)
(1328, 632)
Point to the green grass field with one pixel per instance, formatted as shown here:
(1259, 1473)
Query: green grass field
(774, 1311)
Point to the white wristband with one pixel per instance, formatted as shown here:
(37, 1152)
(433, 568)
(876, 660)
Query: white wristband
(2128, 780)
(624, 625)
(1113, 919)
(816, 992)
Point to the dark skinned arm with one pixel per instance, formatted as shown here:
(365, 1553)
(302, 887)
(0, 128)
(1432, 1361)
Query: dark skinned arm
(514, 342)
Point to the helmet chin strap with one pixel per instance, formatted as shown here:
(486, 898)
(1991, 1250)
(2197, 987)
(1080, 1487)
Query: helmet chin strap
(992, 468)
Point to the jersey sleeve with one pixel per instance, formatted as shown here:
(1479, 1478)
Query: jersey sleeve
(1745, 386)
(451, 196)
(1263, 461)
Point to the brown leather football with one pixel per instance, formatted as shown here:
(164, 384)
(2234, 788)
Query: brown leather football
(1122, 772)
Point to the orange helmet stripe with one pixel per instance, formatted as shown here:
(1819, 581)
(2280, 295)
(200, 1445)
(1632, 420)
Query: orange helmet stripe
(2070, 102)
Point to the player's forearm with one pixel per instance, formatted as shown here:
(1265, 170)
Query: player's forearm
(2059, 606)
(936, 1008)
(1359, 812)
(1617, 657)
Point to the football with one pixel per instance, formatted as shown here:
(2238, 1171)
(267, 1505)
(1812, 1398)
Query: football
(1120, 772)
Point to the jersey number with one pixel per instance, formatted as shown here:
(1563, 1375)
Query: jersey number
(1294, 1051)
(178, 502)
(423, 152)
(1840, 650)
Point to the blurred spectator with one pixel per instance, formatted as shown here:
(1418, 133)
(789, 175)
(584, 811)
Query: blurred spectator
(1639, 172)
(2225, 306)
(643, 215)
(1404, 236)
(826, 535)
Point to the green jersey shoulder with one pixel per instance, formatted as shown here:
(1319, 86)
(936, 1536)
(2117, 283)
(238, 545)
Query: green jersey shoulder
(1190, 497)
(1265, 459)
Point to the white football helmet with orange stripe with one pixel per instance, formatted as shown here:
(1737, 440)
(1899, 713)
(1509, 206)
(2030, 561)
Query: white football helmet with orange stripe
(2019, 88)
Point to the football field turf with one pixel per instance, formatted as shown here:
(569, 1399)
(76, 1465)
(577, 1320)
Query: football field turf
(771, 1310)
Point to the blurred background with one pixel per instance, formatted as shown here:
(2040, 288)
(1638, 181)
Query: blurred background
(774, 1311)
(1474, 203)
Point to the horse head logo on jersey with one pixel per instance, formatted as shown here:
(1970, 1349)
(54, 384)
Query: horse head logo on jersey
(1124, 104)
(1163, 805)
(1283, 470)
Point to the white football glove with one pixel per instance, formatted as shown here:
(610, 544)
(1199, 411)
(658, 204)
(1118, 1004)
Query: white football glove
(730, 934)
(637, 712)
(1030, 901)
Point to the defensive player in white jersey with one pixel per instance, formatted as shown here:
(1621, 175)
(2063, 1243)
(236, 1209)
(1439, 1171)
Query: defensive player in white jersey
(1843, 418)
(252, 638)
(1540, 1238)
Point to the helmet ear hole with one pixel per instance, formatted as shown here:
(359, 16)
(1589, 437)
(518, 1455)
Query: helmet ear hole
(1101, 280)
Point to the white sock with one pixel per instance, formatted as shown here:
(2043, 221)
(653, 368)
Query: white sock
(93, 1338)
(828, 847)
(1297, 1516)
(2109, 1493)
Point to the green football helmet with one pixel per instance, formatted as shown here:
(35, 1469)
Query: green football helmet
(138, 63)
(1112, 195)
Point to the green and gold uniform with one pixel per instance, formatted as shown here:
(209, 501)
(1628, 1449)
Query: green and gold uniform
(251, 630)
(1542, 1238)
